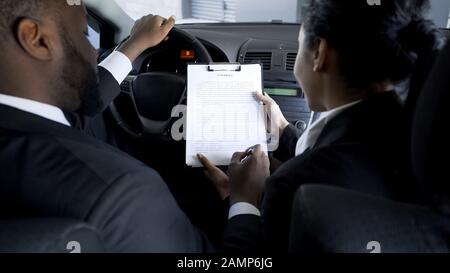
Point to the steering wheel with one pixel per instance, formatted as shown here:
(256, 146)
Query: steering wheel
(153, 95)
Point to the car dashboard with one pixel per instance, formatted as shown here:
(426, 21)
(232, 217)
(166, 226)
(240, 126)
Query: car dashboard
(274, 46)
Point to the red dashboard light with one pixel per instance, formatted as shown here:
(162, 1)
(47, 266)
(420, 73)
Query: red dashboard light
(187, 54)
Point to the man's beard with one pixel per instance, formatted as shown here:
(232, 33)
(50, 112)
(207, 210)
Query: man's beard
(80, 82)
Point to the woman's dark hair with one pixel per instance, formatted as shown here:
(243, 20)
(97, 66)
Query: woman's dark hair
(374, 42)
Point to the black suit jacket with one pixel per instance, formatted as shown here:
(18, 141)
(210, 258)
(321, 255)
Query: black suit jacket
(362, 148)
(50, 170)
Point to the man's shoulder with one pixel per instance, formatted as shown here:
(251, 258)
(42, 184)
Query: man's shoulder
(65, 174)
(90, 163)
(106, 161)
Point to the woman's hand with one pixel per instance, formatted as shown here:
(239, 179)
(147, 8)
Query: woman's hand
(217, 177)
(275, 118)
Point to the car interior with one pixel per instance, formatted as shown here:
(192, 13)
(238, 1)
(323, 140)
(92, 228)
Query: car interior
(140, 119)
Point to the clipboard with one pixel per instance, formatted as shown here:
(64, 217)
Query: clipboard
(236, 67)
(223, 116)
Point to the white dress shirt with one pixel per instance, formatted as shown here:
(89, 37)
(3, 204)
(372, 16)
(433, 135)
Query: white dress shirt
(44, 110)
(116, 63)
(243, 208)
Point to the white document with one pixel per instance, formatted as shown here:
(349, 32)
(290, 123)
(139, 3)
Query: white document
(223, 116)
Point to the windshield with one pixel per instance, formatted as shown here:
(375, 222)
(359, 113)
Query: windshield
(210, 11)
(241, 11)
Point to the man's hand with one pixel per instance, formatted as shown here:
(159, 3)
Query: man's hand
(147, 32)
(217, 177)
(248, 172)
(276, 119)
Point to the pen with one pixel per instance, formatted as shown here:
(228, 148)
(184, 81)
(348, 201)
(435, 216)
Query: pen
(248, 154)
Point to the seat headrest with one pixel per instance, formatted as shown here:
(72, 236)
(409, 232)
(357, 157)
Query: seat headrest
(430, 137)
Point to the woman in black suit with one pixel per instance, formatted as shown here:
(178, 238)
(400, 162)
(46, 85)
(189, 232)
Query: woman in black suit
(351, 55)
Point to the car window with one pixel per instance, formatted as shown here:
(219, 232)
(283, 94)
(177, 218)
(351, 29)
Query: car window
(440, 12)
(448, 24)
(94, 38)
(209, 11)
(206, 11)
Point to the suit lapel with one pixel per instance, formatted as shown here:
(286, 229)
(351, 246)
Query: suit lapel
(74, 120)
(337, 128)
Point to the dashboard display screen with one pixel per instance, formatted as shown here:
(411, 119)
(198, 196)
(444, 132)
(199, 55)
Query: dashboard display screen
(288, 92)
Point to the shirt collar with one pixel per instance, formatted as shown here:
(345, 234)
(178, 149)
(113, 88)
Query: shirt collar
(44, 110)
(328, 115)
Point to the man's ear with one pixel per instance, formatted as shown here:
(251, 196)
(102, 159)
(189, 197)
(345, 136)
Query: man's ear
(34, 39)
(320, 54)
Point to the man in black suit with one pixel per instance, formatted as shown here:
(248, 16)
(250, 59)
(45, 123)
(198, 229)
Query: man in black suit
(51, 168)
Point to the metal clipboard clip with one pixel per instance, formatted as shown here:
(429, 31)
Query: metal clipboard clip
(236, 67)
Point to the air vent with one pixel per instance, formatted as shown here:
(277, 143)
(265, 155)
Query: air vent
(290, 61)
(263, 58)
